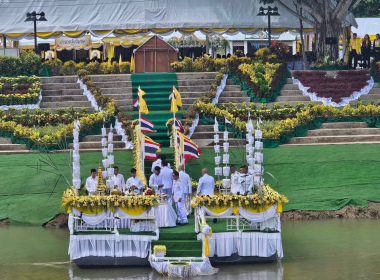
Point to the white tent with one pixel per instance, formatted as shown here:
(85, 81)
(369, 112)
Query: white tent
(104, 17)
(369, 26)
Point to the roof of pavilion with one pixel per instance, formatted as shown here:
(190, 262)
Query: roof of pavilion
(75, 18)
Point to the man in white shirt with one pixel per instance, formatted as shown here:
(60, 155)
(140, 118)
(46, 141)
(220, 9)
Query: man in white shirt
(206, 184)
(160, 159)
(186, 186)
(235, 185)
(119, 179)
(245, 181)
(178, 199)
(155, 180)
(91, 183)
(134, 182)
(167, 180)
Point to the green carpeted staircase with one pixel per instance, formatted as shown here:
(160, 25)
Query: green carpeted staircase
(180, 241)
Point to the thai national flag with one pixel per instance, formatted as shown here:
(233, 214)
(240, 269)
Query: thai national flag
(150, 148)
(146, 126)
(178, 126)
(190, 150)
(136, 103)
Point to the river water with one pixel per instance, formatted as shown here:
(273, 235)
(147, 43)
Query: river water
(324, 249)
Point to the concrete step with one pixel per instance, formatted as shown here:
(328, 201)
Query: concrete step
(289, 81)
(205, 88)
(126, 96)
(123, 90)
(97, 145)
(59, 92)
(347, 131)
(64, 98)
(209, 135)
(343, 125)
(65, 104)
(203, 143)
(12, 147)
(110, 78)
(291, 93)
(224, 99)
(371, 96)
(60, 79)
(290, 87)
(334, 139)
(204, 128)
(292, 103)
(90, 150)
(224, 94)
(195, 75)
(5, 140)
(98, 138)
(60, 86)
(16, 152)
(114, 84)
(297, 98)
(322, 144)
(365, 101)
(196, 82)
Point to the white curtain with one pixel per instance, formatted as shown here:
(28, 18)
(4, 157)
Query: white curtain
(226, 213)
(105, 245)
(219, 89)
(197, 268)
(327, 101)
(165, 215)
(93, 219)
(147, 225)
(258, 217)
(259, 244)
(89, 95)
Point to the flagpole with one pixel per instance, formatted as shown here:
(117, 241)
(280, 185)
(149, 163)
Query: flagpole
(141, 147)
(173, 105)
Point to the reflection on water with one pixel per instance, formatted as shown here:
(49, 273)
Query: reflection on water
(330, 249)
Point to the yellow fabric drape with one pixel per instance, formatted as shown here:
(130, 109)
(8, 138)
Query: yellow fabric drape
(207, 246)
(218, 209)
(14, 35)
(132, 64)
(279, 207)
(161, 30)
(74, 33)
(88, 211)
(136, 211)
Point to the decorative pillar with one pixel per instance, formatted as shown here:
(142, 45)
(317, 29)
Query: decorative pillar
(245, 47)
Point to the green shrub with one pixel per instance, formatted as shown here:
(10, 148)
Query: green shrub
(54, 66)
(93, 68)
(125, 67)
(68, 68)
(30, 63)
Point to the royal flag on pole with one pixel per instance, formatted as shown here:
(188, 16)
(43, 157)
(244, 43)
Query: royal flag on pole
(140, 102)
(147, 126)
(178, 125)
(176, 100)
(151, 148)
(187, 148)
(133, 64)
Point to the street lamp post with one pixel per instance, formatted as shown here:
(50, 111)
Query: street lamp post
(33, 17)
(270, 12)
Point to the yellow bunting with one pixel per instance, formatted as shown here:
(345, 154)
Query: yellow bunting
(135, 211)
(207, 246)
(218, 209)
(235, 210)
(279, 207)
(89, 211)
(132, 64)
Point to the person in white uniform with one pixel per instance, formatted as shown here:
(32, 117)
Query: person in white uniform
(158, 161)
(91, 183)
(178, 199)
(167, 180)
(245, 181)
(235, 185)
(134, 182)
(186, 186)
(206, 184)
(119, 179)
(155, 180)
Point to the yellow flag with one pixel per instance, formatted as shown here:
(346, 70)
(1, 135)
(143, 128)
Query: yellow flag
(120, 60)
(132, 64)
(143, 106)
(109, 62)
(173, 106)
(177, 97)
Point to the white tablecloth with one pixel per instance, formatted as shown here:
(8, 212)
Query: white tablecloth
(165, 215)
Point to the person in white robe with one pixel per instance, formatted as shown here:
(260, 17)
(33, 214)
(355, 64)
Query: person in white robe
(206, 184)
(91, 183)
(134, 182)
(119, 180)
(155, 180)
(167, 180)
(245, 181)
(235, 185)
(186, 186)
(158, 162)
(178, 199)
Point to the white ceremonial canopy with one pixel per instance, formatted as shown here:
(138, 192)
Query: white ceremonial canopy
(104, 17)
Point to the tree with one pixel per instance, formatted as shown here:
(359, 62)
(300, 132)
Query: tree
(325, 16)
(368, 8)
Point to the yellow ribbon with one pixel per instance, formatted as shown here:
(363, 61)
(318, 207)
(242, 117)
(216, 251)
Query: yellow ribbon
(207, 247)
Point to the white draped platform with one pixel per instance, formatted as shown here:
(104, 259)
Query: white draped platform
(259, 244)
(197, 268)
(107, 245)
(165, 215)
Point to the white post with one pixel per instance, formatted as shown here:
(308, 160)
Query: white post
(140, 136)
(245, 47)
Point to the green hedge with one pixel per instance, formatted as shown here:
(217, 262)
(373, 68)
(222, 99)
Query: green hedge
(26, 64)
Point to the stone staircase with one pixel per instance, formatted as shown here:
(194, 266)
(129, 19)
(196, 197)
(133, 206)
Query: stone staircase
(93, 143)
(7, 148)
(194, 85)
(338, 134)
(204, 137)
